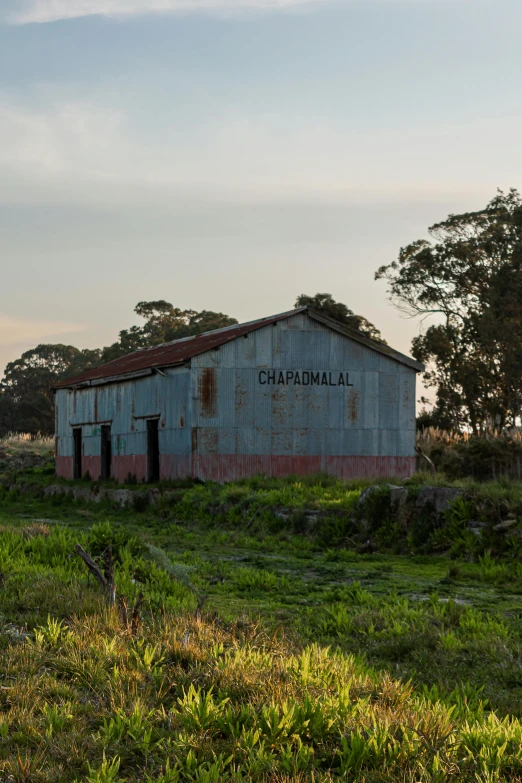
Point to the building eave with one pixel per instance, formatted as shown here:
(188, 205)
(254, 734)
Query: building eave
(368, 342)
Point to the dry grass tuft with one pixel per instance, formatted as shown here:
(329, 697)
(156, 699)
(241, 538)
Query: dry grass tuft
(17, 442)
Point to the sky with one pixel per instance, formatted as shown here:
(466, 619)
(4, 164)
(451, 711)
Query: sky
(232, 154)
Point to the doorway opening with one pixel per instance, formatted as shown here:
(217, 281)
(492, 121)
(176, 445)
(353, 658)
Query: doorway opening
(153, 460)
(106, 452)
(77, 454)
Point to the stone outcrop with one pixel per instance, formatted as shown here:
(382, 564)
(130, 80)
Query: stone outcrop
(437, 498)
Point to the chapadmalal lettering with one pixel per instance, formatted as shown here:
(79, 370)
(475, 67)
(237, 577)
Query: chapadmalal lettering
(303, 378)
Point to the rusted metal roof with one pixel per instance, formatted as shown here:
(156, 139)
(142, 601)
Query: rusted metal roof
(146, 361)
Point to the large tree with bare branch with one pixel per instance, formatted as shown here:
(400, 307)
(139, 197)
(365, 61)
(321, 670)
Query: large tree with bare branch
(468, 275)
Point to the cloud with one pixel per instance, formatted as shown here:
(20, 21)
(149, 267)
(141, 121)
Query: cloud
(59, 138)
(87, 152)
(42, 11)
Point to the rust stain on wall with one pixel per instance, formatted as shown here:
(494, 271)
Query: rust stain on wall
(208, 392)
(279, 406)
(209, 440)
(241, 396)
(194, 439)
(353, 405)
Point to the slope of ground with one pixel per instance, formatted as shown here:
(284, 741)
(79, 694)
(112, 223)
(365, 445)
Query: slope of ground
(297, 670)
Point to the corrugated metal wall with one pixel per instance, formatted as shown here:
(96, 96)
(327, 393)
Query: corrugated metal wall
(230, 416)
(242, 424)
(125, 406)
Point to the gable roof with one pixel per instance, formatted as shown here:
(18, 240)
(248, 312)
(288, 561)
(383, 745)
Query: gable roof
(146, 361)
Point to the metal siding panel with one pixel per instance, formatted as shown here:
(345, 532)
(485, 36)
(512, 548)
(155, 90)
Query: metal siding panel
(334, 441)
(336, 407)
(370, 443)
(388, 400)
(353, 442)
(317, 346)
(279, 403)
(299, 321)
(389, 386)
(246, 440)
(263, 440)
(226, 397)
(317, 441)
(300, 441)
(336, 352)
(354, 402)
(297, 409)
(314, 326)
(371, 360)
(317, 407)
(286, 349)
(175, 441)
(371, 400)
(208, 440)
(353, 355)
(227, 354)
(245, 400)
(263, 340)
(90, 443)
(291, 352)
(214, 390)
(277, 335)
(388, 415)
(387, 364)
(227, 440)
(263, 406)
(246, 351)
(406, 443)
(407, 400)
(282, 441)
(388, 443)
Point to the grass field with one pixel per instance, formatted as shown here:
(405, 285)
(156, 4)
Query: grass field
(308, 662)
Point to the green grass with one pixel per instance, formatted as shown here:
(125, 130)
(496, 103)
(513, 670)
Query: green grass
(309, 663)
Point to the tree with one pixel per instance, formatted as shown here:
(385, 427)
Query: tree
(26, 401)
(469, 276)
(164, 323)
(326, 304)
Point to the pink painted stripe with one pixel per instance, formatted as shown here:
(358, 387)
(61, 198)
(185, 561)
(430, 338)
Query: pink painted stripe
(230, 467)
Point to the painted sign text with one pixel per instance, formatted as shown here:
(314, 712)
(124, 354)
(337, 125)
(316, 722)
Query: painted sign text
(303, 378)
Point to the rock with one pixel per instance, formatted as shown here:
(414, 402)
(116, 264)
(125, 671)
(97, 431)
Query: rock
(440, 498)
(79, 493)
(120, 497)
(56, 489)
(398, 495)
(153, 495)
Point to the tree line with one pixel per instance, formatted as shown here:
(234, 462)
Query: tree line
(463, 281)
(26, 397)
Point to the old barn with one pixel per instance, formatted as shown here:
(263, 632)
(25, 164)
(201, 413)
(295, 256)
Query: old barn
(291, 394)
